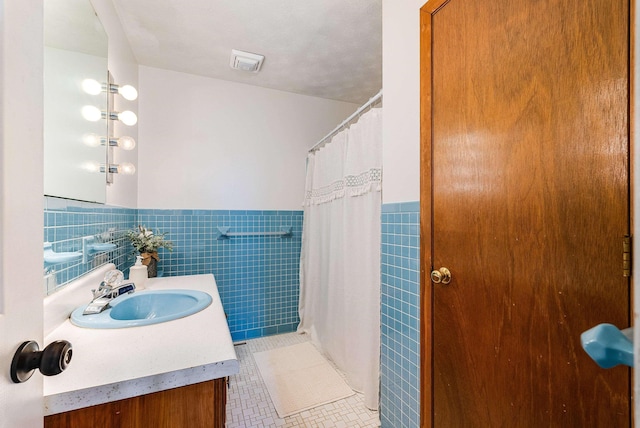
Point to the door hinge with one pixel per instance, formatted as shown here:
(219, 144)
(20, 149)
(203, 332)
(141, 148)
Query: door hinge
(626, 256)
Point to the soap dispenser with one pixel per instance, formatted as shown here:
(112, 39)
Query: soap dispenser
(138, 273)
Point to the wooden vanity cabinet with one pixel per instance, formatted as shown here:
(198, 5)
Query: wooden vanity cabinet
(192, 406)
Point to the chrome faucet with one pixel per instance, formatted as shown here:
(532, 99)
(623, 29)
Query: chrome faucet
(107, 291)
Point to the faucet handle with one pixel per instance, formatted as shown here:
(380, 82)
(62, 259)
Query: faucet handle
(113, 278)
(102, 289)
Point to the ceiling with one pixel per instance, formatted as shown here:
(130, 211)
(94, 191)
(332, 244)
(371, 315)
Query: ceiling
(73, 25)
(323, 48)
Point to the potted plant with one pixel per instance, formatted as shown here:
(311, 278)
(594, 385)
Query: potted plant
(148, 243)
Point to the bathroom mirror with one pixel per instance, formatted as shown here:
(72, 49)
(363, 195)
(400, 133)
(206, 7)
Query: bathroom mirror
(75, 49)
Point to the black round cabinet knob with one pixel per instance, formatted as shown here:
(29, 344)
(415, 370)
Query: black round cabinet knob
(51, 361)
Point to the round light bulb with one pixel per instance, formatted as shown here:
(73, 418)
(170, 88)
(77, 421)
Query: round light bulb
(128, 118)
(126, 143)
(91, 166)
(128, 92)
(91, 86)
(91, 140)
(127, 168)
(91, 113)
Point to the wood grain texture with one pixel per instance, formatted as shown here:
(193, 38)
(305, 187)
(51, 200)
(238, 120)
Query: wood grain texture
(426, 343)
(526, 144)
(194, 406)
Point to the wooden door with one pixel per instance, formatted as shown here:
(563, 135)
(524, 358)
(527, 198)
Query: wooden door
(525, 199)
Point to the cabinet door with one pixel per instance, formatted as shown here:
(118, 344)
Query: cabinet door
(193, 406)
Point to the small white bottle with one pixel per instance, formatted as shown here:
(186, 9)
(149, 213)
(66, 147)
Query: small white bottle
(138, 273)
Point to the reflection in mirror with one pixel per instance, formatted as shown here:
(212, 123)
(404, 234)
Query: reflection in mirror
(75, 50)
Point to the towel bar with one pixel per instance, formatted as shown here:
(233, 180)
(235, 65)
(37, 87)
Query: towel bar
(225, 234)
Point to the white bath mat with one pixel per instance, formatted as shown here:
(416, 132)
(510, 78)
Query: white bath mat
(298, 378)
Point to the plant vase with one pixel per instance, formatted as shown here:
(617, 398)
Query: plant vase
(151, 261)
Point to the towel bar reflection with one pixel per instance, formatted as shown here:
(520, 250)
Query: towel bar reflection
(225, 234)
(51, 257)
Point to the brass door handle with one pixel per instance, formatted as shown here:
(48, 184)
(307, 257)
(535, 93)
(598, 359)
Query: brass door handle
(441, 276)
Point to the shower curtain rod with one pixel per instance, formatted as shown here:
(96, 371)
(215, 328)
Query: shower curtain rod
(355, 114)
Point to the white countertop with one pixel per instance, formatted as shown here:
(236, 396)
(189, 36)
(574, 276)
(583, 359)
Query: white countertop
(113, 364)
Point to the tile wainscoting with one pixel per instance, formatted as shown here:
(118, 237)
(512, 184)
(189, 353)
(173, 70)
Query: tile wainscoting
(257, 276)
(400, 339)
(66, 222)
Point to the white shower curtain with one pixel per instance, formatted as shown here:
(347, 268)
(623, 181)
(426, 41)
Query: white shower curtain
(340, 259)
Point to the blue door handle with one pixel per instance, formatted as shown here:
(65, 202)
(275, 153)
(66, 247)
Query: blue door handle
(608, 346)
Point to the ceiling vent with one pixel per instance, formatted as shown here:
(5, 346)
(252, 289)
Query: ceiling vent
(246, 61)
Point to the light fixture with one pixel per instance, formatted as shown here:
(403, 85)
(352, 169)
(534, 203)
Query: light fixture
(128, 92)
(127, 117)
(93, 87)
(91, 113)
(91, 166)
(121, 168)
(125, 168)
(124, 142)
(92, 140)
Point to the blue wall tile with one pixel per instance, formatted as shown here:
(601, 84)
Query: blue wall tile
(400, 309)
(67, 222)
(257, 276)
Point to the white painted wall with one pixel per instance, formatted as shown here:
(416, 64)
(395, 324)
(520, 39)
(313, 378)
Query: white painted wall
(124, 68)
(212, 144)
(401, 83)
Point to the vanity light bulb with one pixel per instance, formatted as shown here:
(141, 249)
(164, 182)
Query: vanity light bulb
(127, 168)
(91, 113)
(128, 92)
(126, 143)
(91, 86)
(91, 140)
(128, 118)
(91, 167)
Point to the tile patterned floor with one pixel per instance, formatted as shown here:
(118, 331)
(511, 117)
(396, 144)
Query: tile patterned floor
(249, 404)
